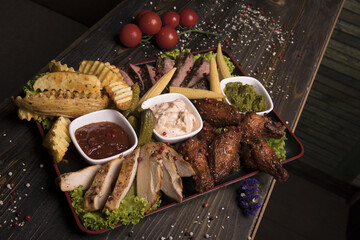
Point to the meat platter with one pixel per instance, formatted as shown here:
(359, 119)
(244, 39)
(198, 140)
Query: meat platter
(293, 147)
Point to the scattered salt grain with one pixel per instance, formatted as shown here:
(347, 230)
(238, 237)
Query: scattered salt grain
(27, 185)
(10, 174)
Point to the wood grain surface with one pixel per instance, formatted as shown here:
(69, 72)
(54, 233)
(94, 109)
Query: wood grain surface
(281, 43)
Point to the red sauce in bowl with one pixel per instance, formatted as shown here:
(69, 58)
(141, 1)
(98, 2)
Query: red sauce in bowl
(102, 139)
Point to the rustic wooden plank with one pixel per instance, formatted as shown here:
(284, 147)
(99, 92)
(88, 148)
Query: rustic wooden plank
(348, 28)
(329, 147)
(349, 60)
(345, 38)
(318, 114)
(349, 16)
(344, 53)
(335, 88)
(323, 179)
(340, 67)
(302, 47)
(329, 102)
(311, 123)
(352, 5)
(346, 81)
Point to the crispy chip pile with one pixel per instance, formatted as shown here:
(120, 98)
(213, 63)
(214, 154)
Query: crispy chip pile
(57, 140)
(71, 81)
(64, 93)
(62, 103)
(111, 79)
(28, 115)
(57, 66)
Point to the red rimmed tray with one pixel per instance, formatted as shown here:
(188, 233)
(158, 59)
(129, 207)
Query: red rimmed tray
(294, 149)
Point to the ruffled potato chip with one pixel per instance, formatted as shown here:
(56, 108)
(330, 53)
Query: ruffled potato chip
(111, 79)
(71, 81)
(57, 140)
(57, 66)
(62, 103)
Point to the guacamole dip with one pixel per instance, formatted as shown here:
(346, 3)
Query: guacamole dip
(244, 97)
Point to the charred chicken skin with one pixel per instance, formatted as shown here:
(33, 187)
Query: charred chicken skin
(245, 130)
(223, 153)
(255, 126)
(217, 113)
(258, 155)
(194, 150)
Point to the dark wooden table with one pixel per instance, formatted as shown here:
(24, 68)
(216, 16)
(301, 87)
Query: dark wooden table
(280, 42)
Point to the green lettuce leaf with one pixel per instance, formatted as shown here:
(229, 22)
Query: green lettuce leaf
(174, 53)
(278, 145)
(131, 210)
(46, 123)
(29, 86)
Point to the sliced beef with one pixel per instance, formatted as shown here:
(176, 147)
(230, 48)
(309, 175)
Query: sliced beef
(198, 74)
(148, 73)
(126, 77)
(203, 83)
(184, 63)
(134, 73)
(164, 65)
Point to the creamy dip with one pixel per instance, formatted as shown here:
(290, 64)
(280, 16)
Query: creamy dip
(173, 118)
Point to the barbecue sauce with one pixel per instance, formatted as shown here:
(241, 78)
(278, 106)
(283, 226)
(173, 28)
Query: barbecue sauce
(102, 139)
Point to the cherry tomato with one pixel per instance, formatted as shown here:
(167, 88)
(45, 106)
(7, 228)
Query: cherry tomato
(150, 23)
(167, 38)
(130, 35)
(171, 19)
(188, 17)
(140, 14)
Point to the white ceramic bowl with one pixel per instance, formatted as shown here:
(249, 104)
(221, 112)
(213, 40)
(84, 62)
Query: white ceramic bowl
(259, 88)
(106, 115)
(169, 97)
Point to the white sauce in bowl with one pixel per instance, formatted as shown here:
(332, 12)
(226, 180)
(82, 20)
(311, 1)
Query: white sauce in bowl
(173, 118)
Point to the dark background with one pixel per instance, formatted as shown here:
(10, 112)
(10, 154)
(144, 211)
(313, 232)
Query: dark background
(32, 33)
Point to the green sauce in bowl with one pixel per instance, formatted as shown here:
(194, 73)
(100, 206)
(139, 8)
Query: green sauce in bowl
(244, 97)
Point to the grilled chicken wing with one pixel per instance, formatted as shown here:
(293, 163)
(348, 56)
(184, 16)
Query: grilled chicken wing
(195, 150)
(258, 155)
(255, 126)
(223, 156)
(217, 113)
